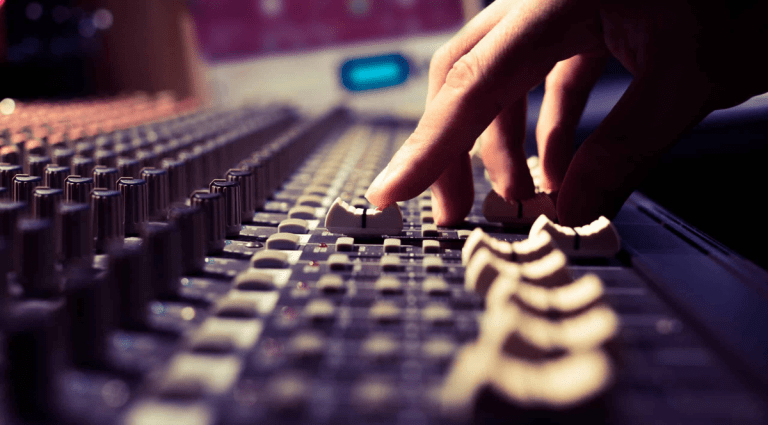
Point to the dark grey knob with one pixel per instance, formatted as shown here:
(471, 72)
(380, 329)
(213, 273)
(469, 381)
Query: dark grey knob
(105, 158)
(177, 179)
(7, 172)
(23, 185)
(85, 149)
(11, 154)
(4, 193)
(146, 158)
(233, 204)
(78, 189)
(259, 171)
(45, 201)
(129, 167)
(88, 319)
(105, 177)
(194, 168)
(10, 213)
(135, 203)
(157, 192)
(190, 221)
(82, 166)
(108, 218)
(128, 274)
(212, 205)
(247, 181)
(63, 157)
(32, 361)
(36, 258)
(55, 175)
(37, 165)
(6, 266)
(76, 234)
(163, 246)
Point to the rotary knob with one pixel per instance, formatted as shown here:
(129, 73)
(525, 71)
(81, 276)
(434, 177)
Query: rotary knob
(7, 173)
(157, 192)
(76, 234)
(37, 165)
(78, 189)
(190, 221)
(105, 158)
(129, 167)
(11, 154)
(31, 361)
(212, 205)
(177, 178)
(108, 221)
(233, 205)
(135, 203)
(23, 185)
(55, 175)
(63, 157)
(163, 246)
(45, 201)
(82, 166)
(105, 177)
(247, 181)
(128, 274)
(36, 258)
(88, 319)
(10, 213)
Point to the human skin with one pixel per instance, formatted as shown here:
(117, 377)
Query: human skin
(688, 59)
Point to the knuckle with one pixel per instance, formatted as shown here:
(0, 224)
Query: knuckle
(464, 73)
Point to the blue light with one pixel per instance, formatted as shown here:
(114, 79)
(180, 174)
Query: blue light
(375, 72)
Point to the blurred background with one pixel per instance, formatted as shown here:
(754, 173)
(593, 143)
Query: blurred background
(228, 52)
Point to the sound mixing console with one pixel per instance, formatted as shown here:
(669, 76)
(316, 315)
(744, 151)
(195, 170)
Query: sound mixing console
(166, 265)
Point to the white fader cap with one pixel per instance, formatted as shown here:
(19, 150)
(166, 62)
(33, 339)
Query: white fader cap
(345, 219)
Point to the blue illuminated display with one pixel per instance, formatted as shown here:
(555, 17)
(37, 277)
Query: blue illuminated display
(374, 72)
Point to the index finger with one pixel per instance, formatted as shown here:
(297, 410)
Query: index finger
(507, 62)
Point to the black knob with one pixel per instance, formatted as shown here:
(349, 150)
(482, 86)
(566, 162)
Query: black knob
(128, 274)
(233, 204)
(55, 175)
(212, 205)
(7, 172)
(177, 178)
(163, 246)
(190, 221)
(194, 169)
(135, 203)
(23, 185)
(10, 213)
(157, 192)
(36, 258)
(63, 157)
(259, 171)
(146, 158)
(82, 166)
(108, 221)
(85, 149)
(105, 177)
(11, 154)
(45, 201)
(105, 158)
(88, 319)
(129, 167)
(32, 360)
(78, 189)
(247, 181)
(37, 165)
(6, 266)
(76, 234)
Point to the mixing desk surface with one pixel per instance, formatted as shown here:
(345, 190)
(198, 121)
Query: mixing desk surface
(171, 266)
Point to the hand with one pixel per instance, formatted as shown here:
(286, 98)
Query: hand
(687, 60)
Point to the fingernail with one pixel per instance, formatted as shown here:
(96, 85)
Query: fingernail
(376, 185)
